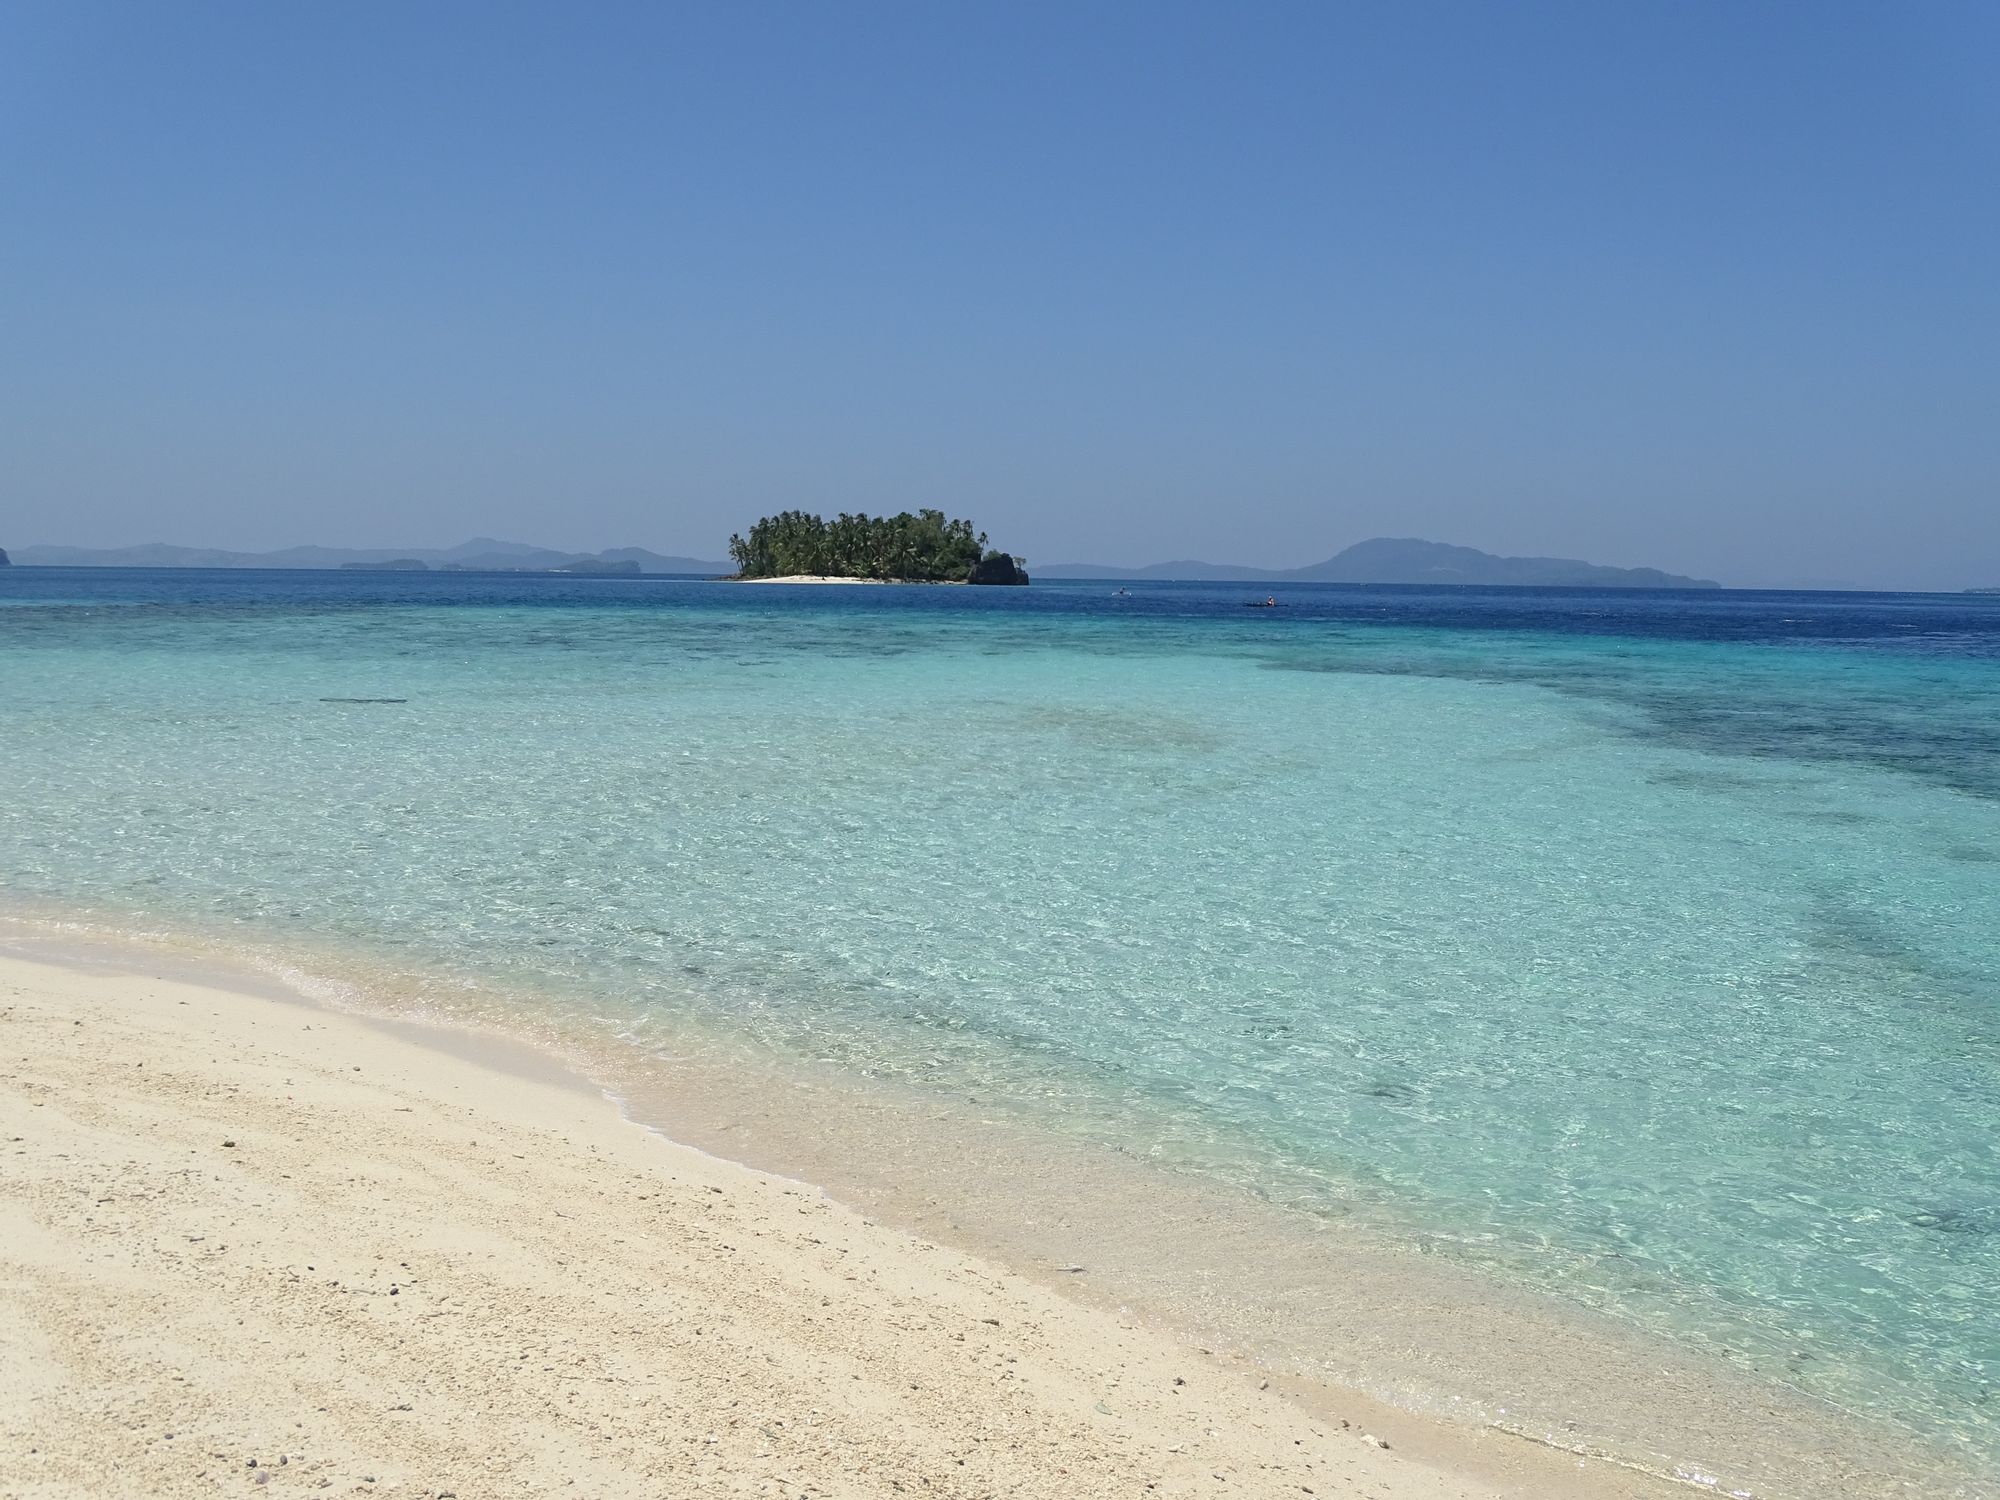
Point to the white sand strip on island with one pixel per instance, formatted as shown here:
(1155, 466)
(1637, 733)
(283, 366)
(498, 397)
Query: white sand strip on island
(808, 578)
(250, 1243)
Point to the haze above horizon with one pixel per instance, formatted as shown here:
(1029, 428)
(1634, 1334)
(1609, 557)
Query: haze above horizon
(1703, 288)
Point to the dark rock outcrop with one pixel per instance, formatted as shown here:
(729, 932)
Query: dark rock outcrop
(5, 561)
(998, 567)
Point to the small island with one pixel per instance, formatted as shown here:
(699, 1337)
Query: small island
(922, 548)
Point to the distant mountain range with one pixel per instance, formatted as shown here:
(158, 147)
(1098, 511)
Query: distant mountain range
(1382, 560)
(481, 554)
(1403, 560)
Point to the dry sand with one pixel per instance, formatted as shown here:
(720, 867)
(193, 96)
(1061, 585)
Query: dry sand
(253, 1245)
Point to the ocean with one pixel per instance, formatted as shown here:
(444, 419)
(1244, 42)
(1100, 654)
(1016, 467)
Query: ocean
(1637, 950)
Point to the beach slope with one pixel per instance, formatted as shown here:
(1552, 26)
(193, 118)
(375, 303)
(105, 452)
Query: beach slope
(249, 1244)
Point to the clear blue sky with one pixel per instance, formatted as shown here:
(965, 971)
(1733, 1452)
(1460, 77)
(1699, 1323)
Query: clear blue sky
(1714, 287)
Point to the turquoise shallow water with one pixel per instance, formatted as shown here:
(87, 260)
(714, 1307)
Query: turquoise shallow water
(1642, 947)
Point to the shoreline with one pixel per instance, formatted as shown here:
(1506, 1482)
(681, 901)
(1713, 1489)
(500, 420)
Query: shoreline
(497, 1284)
(1401, 1341)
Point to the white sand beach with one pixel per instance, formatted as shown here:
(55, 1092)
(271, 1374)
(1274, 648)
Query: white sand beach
(249, 1243)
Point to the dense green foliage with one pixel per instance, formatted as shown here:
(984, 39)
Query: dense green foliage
(924, 547)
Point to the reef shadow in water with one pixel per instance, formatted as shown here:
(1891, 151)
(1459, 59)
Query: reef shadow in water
(1840, 929)
(1848, 936)
(1956, 1221)
(1960, 752)
(1708, 781)
(1391, 1092)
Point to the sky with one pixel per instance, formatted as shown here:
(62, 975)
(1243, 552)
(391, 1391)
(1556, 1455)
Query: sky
(1702, 286)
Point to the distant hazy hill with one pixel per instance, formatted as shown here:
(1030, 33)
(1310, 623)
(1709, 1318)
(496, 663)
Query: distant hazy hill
(481, 554)
(1405, 560)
